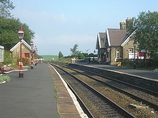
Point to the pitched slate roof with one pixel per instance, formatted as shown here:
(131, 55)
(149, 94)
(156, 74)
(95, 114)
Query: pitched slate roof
(26, 44)
(116, 36)
(101, 40)
(127, 38)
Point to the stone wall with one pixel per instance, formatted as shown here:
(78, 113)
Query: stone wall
(127, 46)
(113, 54)
(132, 79)
(16, 51)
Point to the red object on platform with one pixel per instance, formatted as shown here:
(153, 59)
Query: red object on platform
(141, 54)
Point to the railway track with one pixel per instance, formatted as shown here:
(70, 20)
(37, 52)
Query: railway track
(104, 107)
(150, 99)
(119, 81)
(100, 83)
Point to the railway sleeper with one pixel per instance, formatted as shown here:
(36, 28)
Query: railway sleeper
(138, 106)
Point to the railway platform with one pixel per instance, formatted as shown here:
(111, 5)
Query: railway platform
(35, 95)
(149, 74)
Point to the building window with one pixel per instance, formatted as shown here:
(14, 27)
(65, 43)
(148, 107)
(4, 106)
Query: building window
(130, 50)
(117, 54)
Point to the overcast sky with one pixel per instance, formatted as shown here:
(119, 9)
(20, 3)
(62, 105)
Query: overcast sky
(60, 24)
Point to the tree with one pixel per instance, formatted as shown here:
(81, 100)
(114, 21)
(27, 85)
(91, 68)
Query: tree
(146, 28)
(8, 32)
(91, 55)
(60, 55)
(7, 57)
(85, 54)
(5, 7)
(81, 56)
(74, 50)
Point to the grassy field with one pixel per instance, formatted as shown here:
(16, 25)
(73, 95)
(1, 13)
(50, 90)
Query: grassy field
(49, 57)
(56, 59)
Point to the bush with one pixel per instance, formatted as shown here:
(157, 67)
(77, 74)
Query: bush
(25, 60)
(81, 56)
(63, 61)
(4, 78)
(155, 61)
(7, 58)
(127, 62)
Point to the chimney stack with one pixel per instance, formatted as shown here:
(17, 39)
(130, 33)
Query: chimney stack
(122, 25)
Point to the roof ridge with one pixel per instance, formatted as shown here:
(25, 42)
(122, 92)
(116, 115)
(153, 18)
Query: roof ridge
(102, 32)
(17, 44)
(115, 29)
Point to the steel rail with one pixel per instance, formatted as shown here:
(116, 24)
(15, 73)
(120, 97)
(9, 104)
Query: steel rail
(122, 111)
(152, 105)
(138, 87)
(83, 106)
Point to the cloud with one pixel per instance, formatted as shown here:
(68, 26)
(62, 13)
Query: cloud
(55, 32)
(40, 18)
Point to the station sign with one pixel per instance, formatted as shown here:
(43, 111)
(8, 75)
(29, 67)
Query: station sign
(132, 55)
(1, 53)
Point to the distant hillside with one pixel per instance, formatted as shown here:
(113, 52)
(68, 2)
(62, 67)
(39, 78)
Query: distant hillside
(49, 57)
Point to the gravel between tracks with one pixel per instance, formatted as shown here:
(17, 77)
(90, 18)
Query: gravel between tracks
(119, 98)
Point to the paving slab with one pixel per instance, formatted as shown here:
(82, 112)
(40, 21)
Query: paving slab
(32, 96)
(65, 103)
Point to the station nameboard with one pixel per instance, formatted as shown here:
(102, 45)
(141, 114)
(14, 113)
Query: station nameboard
(1, 53)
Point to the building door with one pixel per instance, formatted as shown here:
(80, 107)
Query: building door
(27, 55)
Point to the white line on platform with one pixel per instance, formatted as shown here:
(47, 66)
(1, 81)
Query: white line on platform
(81, 112)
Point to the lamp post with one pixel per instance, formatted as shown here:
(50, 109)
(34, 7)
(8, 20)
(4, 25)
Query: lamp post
(36, 56)
(108, 55)
(134, 62)
(21, 36)
(32, 55)
(94, 56)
